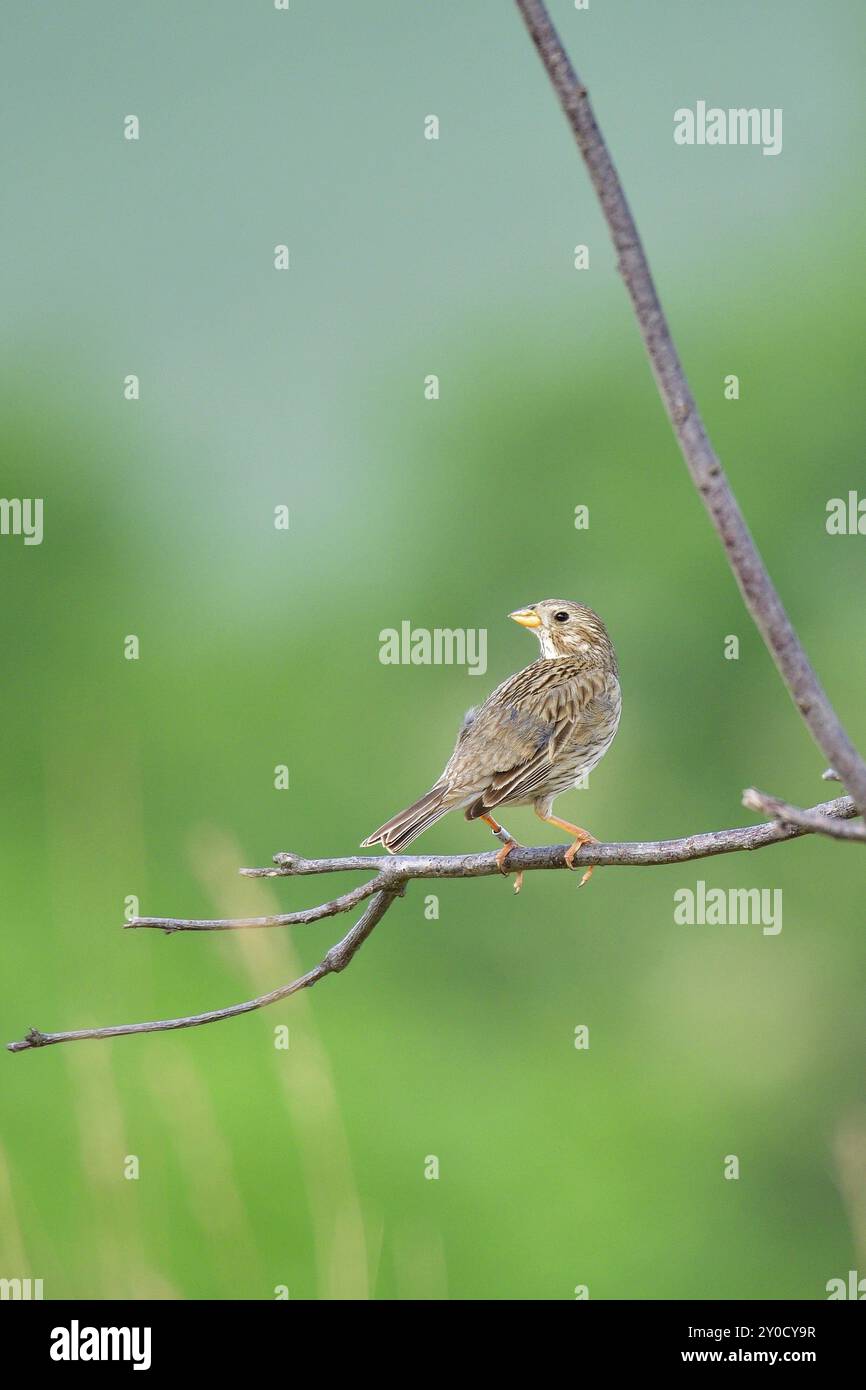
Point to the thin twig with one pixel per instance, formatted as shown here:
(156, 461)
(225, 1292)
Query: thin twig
(285, 919)
(756, 586)
(396, 871)
(820, 823)
(337, 959)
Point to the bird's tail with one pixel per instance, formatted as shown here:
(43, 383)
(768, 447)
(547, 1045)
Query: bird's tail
(401, 829)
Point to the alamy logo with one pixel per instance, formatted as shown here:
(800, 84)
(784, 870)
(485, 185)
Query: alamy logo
(846, 516)
(741, 125)
(444, 646)
(714, 907)
(23, 1289)
(855, 1287)
(77, 1343)
(22, 516)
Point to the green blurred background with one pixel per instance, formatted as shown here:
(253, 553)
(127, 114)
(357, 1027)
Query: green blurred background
(452, 1037)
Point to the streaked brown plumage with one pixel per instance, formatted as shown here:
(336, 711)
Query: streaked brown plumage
(533, 737)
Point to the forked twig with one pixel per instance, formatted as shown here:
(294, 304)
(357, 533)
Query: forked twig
(814, 819)
(393, 873)
(337, 959)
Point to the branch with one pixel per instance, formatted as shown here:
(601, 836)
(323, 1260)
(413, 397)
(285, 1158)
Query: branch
(816, 820)
(394, 872)
(622, 854)
(337, 959)
(756, 586)
(286, 919)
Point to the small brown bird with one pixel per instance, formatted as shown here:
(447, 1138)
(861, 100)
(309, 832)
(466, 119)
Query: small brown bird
(533, 738)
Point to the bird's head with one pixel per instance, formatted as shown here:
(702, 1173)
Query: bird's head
(564, 628)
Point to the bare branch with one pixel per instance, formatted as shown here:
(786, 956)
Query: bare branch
(285, 919)
(814, 820)
(337, 959)
(395, 871)
(623, 853)
(756, 586)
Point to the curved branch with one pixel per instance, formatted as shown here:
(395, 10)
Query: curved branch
(756, 586)
(337, 959)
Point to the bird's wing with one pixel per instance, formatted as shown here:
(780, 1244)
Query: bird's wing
(505, 751)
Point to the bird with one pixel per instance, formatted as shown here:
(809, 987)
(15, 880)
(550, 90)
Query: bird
(533, 738)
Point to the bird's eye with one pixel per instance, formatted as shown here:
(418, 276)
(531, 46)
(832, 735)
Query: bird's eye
(561, 617)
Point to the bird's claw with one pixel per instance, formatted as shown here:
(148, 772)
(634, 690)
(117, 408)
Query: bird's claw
(503, 868)
(575, 849)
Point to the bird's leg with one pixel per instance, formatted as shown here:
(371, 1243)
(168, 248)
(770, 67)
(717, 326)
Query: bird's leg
(509, 843)
(581, 838)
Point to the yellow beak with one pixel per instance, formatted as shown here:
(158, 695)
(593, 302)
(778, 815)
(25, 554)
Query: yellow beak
(527, 617)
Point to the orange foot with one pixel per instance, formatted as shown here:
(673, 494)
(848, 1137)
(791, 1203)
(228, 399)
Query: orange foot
(581, 838)
(570, 853)
(505, 851)
(501, 858)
